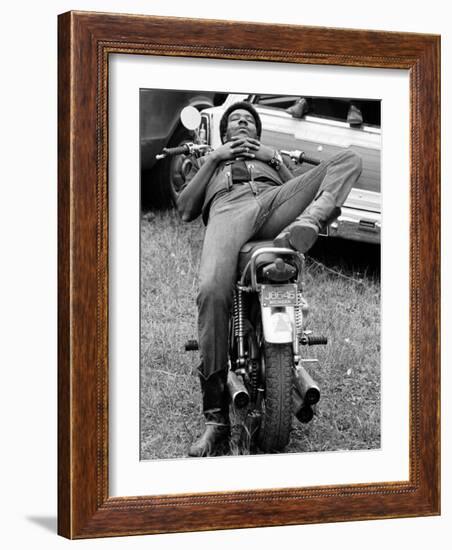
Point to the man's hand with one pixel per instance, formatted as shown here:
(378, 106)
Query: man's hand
(236, 147)
(255, 149)
(243, 147)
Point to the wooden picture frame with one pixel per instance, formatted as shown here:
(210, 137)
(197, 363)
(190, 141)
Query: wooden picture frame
(85, 42)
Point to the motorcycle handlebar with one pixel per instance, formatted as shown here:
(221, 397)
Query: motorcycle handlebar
(182, 149)
(300, 156)
(310, 160)
(185, 149)
(189, 148)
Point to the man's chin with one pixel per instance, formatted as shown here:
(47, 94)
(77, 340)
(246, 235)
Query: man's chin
(243, 133)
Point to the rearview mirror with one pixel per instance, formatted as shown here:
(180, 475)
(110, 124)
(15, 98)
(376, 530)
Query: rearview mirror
(190, 117)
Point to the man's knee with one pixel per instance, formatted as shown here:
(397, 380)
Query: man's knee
(353, 161)
(212, 292)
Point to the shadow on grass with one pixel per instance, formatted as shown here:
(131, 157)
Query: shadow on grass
(350, 256)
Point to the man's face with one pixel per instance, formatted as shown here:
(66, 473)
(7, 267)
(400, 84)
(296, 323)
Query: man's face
(241, 123)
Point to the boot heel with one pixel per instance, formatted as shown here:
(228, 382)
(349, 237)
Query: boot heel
(302, 237)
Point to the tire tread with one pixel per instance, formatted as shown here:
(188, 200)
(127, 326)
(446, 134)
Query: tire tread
(275, 431)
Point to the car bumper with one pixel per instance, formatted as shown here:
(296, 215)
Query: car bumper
(357, 226)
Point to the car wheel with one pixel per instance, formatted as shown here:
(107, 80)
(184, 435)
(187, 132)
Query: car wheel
(178, 169)
(161, 185)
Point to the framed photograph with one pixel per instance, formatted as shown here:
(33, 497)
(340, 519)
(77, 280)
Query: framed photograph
(248, 275)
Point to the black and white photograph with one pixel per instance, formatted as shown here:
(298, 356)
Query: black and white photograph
(260, 222)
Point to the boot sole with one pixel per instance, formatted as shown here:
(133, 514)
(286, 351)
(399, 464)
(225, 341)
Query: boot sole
(217, 448)
(220, 449)
(302, 237)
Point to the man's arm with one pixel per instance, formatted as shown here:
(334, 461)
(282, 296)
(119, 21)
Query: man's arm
(285, 172)
(191, 199)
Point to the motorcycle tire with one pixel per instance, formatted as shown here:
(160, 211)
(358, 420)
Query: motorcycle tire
(276, 421)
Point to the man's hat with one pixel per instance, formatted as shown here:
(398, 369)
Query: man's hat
(234, 107)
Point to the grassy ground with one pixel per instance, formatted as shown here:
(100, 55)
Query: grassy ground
(343, 293)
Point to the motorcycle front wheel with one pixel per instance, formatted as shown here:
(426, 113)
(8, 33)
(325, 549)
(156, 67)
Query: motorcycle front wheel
(276, 421)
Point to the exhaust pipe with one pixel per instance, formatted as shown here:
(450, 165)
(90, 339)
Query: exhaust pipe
(306, 386)
(302, 411)
(239, 394)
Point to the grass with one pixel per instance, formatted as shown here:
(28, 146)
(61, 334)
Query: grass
(343, 293)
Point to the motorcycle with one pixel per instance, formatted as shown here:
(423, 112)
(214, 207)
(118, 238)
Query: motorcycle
(268, 382)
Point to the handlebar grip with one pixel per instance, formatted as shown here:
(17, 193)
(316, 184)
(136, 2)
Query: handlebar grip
(183, 149)
(309, 160)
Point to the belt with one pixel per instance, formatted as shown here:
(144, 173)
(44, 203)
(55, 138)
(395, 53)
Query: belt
(252, 185)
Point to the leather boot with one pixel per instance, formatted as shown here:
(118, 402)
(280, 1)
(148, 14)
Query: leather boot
(354, 116)
(216, 433)
(300, 108)
(303, 232)
(216, 412)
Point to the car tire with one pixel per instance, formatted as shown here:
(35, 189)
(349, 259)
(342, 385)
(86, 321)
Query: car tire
(159, 186)
(178, 166)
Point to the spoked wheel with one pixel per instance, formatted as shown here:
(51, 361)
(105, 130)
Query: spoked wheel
(276, 421)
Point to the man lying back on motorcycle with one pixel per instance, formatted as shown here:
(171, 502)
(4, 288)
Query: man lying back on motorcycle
(244, 191)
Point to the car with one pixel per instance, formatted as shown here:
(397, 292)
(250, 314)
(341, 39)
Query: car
(321, 127)
(160, 126)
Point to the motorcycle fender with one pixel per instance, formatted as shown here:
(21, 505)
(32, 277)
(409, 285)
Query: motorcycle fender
(278, 324)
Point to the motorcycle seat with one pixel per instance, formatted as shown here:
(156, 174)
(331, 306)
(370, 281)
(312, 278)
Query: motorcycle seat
(249, 248)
